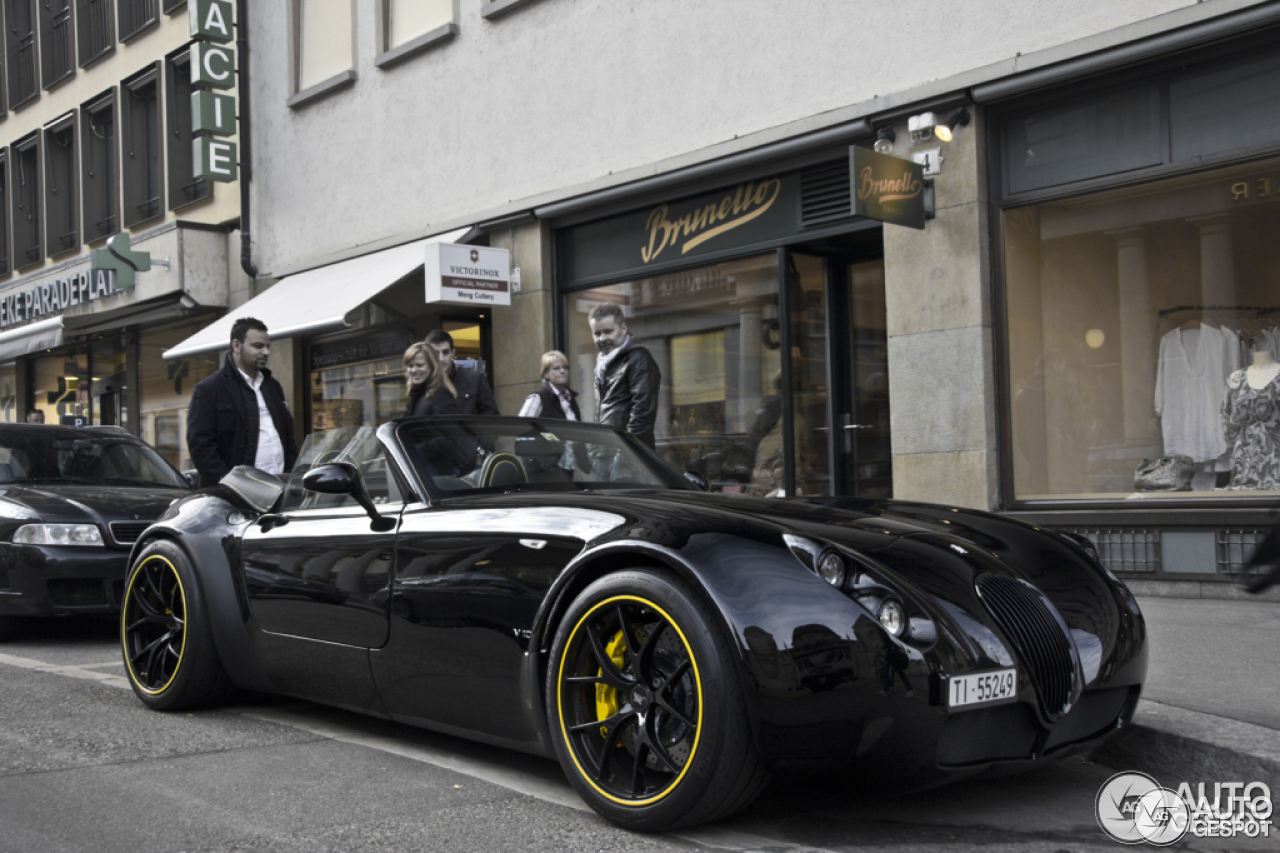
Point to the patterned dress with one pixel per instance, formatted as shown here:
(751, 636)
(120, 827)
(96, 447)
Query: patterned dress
(1251, 417)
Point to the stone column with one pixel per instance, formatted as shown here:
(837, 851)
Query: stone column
(1217, 263)
(1137, 334)
(751, 353)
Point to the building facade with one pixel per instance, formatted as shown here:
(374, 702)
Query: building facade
(96, 135)
(1063, 341)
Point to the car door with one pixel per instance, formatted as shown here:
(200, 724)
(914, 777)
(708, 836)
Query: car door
(467, 584)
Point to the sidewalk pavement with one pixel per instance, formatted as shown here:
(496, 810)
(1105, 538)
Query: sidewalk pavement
(1211, 708)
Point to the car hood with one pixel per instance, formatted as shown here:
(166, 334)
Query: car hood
(85, 502)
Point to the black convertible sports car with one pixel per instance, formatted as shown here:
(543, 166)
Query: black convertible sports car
(573, 596)
(72, 502)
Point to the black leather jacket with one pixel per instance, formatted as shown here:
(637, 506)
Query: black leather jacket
(627, 396)
(222, 423)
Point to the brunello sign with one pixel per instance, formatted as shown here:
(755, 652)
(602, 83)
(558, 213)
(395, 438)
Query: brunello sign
(468, 275)
(213, 67)
(886, 188)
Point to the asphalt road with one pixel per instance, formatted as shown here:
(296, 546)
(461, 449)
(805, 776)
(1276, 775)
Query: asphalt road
(85, 767)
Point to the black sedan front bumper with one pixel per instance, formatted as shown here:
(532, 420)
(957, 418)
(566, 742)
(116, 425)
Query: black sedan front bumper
(48, 580)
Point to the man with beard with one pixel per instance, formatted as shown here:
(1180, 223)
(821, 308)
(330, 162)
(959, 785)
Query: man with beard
(627, 377)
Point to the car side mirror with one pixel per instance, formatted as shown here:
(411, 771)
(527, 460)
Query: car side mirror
(342, 478)
(698, 480)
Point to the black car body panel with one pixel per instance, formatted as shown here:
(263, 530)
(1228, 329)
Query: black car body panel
(447, 622)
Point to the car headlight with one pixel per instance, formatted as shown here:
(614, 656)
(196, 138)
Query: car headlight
(892, 617)
(831, 568)
(58, 534)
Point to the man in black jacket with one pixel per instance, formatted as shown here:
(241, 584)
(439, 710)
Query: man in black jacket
(474, 395)
(627, 377)
(238, 416)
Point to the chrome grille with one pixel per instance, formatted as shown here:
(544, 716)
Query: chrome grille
(1041, 644)
(127, 532)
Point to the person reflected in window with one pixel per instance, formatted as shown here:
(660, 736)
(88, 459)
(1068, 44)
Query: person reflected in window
(35, 416)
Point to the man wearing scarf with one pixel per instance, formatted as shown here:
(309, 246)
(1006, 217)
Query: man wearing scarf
(627, 377)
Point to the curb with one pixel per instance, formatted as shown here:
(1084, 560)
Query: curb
(1175, 745)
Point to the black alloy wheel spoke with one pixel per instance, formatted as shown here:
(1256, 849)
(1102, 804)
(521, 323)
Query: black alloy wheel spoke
(612, 675)
(154, 658)
(609, 724)
(655, 744)
(149, 613)
(150, 648)
(644, 662)
(676, 712)
(607, 749)
(584, 679)
(676, 675)
(637, 772)
(629, 643)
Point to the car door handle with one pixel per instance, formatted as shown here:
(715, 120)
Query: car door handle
(271, 520)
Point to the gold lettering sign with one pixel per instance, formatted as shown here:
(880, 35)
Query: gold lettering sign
(888, 189)
(748, 201)
(1255, 189)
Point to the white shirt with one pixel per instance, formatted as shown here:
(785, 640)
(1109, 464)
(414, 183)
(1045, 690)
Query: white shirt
(270, 457)
(532, 407)
(1190, 380)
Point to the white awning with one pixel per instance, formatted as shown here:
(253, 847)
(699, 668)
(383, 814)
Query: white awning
(317, 300)
(44, 334)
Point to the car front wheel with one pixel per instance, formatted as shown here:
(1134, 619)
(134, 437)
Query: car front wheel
(645, 707)
(164, 629)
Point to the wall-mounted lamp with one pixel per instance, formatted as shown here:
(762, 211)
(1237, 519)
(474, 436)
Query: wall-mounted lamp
(959, 118)
(926, 125)
(885, 138)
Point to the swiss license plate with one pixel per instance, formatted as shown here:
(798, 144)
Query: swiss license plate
(983, 688)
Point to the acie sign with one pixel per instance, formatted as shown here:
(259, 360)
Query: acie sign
(213, 67)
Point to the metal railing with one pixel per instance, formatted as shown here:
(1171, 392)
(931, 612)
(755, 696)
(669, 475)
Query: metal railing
(138, 13)
(24, 69)
(96, 29)
(62, 60)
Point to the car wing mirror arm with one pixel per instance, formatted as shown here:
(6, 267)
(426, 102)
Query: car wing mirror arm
(343, 478)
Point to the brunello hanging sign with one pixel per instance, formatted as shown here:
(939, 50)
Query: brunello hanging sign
(213, 67)
(887, 188)
(750, 212)
(468, 275)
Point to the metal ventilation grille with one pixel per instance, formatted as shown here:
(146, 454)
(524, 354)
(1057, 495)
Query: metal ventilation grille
(127, 532)
(1041, 645)
(824, 194)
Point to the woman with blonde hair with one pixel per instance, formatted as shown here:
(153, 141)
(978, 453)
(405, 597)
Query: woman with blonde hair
(555, 399)
(430, 391)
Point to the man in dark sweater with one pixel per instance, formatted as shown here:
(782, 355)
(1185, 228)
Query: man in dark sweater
(238, 415)
(474, 395)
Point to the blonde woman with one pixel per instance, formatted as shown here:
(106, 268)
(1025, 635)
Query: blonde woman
(555, 399)
(430, 391)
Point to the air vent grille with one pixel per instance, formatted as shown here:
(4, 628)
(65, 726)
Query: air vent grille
(825, 196)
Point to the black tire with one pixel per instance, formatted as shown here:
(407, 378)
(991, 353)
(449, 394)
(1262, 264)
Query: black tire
(645, 707)
(169, 656)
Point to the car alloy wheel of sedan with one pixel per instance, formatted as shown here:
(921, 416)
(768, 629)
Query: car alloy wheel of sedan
(649, 718)
(164, 630)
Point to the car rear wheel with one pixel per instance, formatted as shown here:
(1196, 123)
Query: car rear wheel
(645, 707)
(164, 630)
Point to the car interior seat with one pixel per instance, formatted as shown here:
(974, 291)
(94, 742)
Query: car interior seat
(502, 469)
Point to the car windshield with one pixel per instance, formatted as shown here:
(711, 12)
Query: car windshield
(356, 445)
(456, 456)
(43, 456)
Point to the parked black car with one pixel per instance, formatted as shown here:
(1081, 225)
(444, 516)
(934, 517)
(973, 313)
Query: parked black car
(575, 597)
(72, 502)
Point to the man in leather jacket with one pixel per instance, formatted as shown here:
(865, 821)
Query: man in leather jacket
(238, 415)
(627, 377)
(474, 395)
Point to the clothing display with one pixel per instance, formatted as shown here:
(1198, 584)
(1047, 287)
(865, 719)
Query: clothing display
(1251, 417)
(1192, 371)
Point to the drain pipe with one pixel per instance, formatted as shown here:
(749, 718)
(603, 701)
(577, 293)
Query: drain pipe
(246, 161)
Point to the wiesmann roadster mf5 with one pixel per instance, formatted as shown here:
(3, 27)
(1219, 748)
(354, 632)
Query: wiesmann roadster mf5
(556, 588)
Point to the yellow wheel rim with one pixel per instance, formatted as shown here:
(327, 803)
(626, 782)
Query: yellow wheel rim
(153, 623)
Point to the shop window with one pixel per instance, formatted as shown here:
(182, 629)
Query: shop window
(1143, 325)
(715, 333)
(100, 168)
(95, 27)
(1225, 110)
(62, 217)
(184, 187)
(60, 386)
(166, 389)
(25, 170)
(10, 410)
(140, 119)
(4, 212)
(57, 41)
(20, 46)
(135, 16)
(322, 42)
(409, 26)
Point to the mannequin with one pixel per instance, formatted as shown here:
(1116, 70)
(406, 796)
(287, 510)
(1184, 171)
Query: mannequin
(1251, 420)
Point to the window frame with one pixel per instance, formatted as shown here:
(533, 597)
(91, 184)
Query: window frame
(62, 201)
(92, 192)
(173, 7)
(388, 56)
(177, 121)
(134, 174)
(490, 9)
(14, 52)
(301, 97)
(19, 151)
(51, 76)
(129, 28)
(84, 23)
(5, 242)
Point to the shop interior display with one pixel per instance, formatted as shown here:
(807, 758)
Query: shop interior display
(1251, 422)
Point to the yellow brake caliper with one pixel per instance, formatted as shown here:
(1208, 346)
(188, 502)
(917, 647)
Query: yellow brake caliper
(606, 696)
